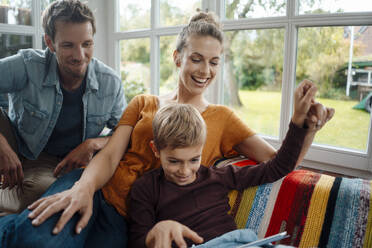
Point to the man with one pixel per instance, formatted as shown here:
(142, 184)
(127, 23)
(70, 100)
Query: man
(60, 100)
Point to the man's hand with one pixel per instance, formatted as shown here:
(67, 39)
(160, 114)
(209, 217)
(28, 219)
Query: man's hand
(80, 156)
(164, 232)
(11, 172)
(77, 199)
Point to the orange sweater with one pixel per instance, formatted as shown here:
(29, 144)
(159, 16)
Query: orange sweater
(224, 130)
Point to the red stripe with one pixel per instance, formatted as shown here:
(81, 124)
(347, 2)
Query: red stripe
(300, 207)
(284, 201)
(245, 162)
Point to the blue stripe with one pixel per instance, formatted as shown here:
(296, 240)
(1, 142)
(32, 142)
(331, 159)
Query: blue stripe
(346, 213)
(258, 207)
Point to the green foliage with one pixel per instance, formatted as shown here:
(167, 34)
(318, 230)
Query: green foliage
(132, 87)
(258, 57)
(322, 51)
(348, 128)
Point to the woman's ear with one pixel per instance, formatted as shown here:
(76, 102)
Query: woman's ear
(154, 149)
(176, 58)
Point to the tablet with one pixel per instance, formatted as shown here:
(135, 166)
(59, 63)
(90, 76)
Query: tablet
(266, 240)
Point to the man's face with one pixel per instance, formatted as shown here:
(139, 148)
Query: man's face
(73, 45)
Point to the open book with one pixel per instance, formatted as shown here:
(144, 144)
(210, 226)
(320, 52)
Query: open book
(266, 240)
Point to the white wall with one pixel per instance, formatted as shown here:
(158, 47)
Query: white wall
(99, 8)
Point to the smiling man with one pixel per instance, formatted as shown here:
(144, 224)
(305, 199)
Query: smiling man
(60, 100)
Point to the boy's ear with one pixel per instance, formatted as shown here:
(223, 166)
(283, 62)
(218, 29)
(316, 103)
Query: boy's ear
(154, 150)
(49, 43)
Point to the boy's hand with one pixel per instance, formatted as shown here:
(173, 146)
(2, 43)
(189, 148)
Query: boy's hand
(304, 97)
(307, 110)
(164, 232)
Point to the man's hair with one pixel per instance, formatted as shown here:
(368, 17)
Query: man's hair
(178, 126)
(72, 11)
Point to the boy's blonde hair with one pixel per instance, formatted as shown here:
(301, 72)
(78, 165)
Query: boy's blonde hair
(178, 126)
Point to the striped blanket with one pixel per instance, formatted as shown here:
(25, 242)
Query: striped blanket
(315, 209)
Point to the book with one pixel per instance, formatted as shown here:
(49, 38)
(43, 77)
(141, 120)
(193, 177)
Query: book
(266, 240)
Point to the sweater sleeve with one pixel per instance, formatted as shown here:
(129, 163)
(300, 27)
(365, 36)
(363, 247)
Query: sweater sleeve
(131, 114)
(267, 172)
(141, 210)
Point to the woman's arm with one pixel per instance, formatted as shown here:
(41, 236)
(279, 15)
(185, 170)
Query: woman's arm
(315, 116)
(80, 197)
(256, 148)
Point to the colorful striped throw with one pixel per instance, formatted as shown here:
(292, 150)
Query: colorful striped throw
(316, 210)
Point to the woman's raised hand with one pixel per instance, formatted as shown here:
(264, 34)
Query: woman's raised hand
(307, 110)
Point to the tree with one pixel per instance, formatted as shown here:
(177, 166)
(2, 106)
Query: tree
(242, 9)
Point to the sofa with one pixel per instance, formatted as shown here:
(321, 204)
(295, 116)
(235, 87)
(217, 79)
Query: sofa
(315, 209)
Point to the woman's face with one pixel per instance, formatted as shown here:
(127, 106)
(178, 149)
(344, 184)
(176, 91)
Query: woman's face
(198, 63)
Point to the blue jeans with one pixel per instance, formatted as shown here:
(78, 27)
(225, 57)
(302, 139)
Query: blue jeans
(106, 227)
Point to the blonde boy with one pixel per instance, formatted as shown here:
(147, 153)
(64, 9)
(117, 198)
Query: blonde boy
(187, 203)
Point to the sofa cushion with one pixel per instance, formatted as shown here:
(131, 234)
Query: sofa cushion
(317, 210)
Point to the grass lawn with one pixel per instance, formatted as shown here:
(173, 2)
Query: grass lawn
(348, 128)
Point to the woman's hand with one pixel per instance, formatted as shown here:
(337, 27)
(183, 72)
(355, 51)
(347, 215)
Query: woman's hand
(306, 109)
(77, 199)
(164, 232)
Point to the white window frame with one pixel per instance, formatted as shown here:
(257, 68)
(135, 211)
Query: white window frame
(319, 157)
(36, 30)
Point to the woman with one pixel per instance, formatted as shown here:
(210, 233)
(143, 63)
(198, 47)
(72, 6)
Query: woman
(128, 154)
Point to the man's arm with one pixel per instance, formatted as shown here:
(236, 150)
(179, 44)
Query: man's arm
(13, 74)
(10, 166)
(83, 154)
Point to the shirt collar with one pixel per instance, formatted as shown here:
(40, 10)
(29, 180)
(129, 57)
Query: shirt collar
(52, 78)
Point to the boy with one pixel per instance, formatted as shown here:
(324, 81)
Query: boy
(185, 200)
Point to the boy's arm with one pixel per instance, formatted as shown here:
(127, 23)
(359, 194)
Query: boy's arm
(141, 211)
(303, 121)
(144, 231)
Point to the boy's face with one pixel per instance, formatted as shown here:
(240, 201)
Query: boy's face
(180, 165)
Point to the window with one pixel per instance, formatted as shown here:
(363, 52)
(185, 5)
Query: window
(17, 30)
(272, 46)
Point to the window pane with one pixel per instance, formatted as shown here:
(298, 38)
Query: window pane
(333, 6)
(177, 12)
(237, 9)
(323, 57)
(253, 77)
(15, 12)
(168, 71)
(134, 14)
(9, 45)
(45, 3)
(135, 66)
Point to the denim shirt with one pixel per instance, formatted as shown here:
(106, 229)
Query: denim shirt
(35, 98)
